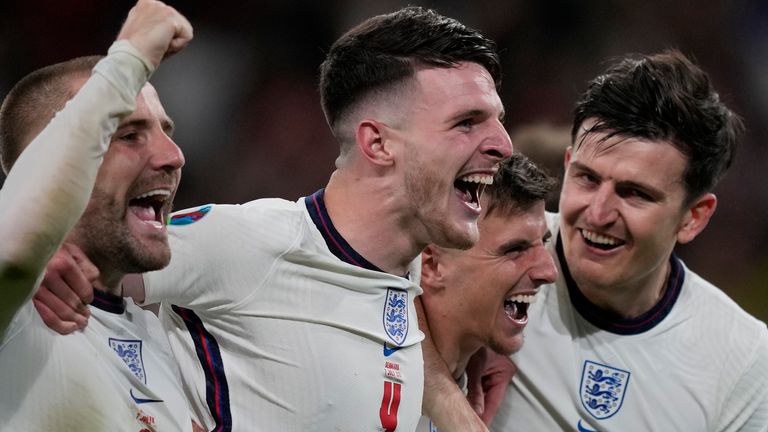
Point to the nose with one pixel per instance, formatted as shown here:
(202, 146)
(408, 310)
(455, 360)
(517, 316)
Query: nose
(498, 144)
(543, 270)
(166, 155)
(601, 209)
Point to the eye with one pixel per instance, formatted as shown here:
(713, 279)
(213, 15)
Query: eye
(129, 136)
(635, 193)
(589, 178)
(466, 123)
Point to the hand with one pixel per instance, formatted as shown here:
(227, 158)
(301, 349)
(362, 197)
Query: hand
(156, 30)
(488, 376)
(66, 290)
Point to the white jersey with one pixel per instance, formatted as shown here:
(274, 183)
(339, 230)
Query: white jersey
(117, 375)
(695, 362)
(279, 325)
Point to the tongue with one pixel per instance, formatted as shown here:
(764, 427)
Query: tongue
(511, 309)
(144, 213)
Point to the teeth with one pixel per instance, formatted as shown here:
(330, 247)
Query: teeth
(522, 298)
(478, 178)
(161, 192)
(597, 238)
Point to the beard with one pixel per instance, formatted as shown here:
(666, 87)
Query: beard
(430, 198)
(104, 236)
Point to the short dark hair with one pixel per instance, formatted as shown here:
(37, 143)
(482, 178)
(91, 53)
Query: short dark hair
(517, 186)
(386, 50)
(33, 102)
(665, 97)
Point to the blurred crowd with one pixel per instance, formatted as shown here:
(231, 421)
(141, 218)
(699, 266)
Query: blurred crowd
(248, 117)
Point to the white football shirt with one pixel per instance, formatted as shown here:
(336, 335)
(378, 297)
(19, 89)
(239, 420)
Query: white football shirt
(694, 362)
(279, 325)
(116, 375)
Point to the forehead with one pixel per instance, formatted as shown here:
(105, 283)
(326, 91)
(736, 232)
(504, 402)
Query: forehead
(627, 152)
(466, 86)
(522, 224)
(148, 106)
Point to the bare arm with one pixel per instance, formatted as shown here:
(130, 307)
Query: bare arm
(444, 402)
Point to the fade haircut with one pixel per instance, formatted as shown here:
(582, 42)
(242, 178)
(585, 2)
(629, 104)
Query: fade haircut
(385, 51)
(517, 186)
(665, 97)
(34, 100)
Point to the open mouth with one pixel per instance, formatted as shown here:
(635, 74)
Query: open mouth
(516, 307)
(471, 187)
(600, 241)
(148, 207)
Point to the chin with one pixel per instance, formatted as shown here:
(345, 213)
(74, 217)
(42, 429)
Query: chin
(508, 346)
(463, 238)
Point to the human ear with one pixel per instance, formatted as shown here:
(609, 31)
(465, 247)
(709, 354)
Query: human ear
(567, 157)
(371, 138)
(431, 276)
(696, 217)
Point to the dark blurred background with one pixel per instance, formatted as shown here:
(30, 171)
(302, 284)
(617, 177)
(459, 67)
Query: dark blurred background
(244, 96)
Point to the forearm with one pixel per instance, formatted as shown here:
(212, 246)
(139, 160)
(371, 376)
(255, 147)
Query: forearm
(49, 186)
(448, 408)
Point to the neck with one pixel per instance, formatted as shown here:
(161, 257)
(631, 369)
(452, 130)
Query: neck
(109, 282)
(366, 213)
(629, 300)
(454, 349)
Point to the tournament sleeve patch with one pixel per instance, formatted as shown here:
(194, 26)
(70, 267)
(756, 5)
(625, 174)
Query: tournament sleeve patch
(189, 217)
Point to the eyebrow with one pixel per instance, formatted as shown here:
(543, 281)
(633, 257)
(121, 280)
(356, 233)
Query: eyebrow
(652, 190)
(475, 113)
(167, 124)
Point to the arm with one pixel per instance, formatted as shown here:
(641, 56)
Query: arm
(443, 400)
(48, 188)
(36, 215)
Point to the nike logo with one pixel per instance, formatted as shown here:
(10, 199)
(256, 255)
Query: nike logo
(389, 351)
(140, 401)
(584, 428)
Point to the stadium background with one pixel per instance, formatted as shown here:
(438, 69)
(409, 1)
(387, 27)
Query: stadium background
(249, 121)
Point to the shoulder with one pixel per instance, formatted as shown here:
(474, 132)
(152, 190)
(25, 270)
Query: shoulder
(264, 224)
(708, 302)
(266, 209)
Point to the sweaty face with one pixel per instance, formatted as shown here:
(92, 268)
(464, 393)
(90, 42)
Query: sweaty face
(491, 285)
(123, 227)
(451, 144)
(621, 210)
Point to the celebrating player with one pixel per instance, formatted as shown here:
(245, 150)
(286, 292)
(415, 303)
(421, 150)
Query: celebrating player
(629, 338)
(479, 297)
(117, 375)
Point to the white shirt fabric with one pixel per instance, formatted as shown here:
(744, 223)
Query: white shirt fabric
(279, 325)
(118, 374)
(695, 362)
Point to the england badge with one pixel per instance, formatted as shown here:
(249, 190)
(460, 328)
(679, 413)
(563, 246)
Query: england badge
(130, 352)
(602, 389)
(396, 315)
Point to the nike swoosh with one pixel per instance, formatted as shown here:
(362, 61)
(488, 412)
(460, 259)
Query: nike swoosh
(584, 429)
(389, 351)
(140, 401)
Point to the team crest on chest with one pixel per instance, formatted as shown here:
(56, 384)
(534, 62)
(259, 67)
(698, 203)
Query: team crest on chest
(130, 352)
(602, 389)
(396, 315)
